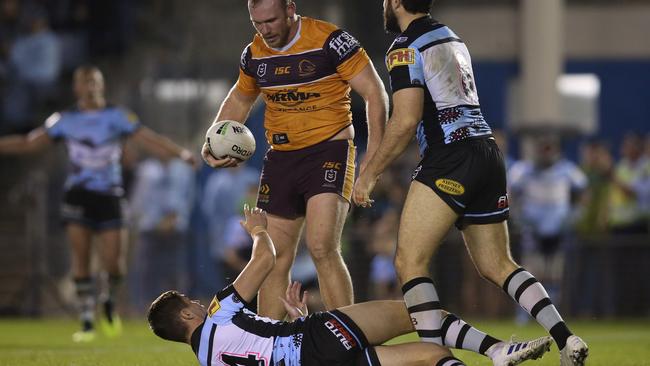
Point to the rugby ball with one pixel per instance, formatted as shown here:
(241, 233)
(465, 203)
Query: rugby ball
(230, 139)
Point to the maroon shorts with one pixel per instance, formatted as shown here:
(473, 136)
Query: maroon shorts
(290, 178)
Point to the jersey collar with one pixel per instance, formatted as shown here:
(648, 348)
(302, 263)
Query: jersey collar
(195, 340)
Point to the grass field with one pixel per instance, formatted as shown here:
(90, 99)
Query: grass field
(48, 343)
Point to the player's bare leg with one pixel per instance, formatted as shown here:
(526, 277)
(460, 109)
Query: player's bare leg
(416, 354)
(456, 333)
(285, 234)
(80, 238)
(425, 221)
(489, 248)
(380, 320)
(383, 320)
(110, 252)
(326, 213)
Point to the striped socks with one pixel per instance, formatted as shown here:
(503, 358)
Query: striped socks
(524, 288)
(450, 361)
(423, 306)
(460, 335)
(85, 288)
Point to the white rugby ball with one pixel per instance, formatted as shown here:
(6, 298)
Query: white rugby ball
(230, 138)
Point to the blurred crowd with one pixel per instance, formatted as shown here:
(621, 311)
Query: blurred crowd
(42, 42)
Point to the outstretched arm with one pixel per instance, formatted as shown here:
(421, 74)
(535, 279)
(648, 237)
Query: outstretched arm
(262, 259)
(370, 87)
(34, 141)
(407, 113)
(236, 107)
(161, 146)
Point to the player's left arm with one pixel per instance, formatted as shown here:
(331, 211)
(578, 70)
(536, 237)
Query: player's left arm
(161, 146)
(262, 259)
(407, 113)
(370, 87)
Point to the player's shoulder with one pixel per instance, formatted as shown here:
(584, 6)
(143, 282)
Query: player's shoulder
(318, 27)
(423, 33)
(122, 113)
(59, 118)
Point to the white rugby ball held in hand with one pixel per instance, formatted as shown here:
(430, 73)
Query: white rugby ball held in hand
(230, 139)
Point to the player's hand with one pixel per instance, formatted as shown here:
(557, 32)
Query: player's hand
(294, 304)
(253, 218)
(362, 189)
(209, 159)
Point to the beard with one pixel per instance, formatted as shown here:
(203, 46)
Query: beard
(390, 21)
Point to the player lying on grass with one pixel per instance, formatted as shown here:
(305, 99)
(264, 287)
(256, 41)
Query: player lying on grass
(226, 333)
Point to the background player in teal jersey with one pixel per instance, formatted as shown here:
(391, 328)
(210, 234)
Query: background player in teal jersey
(94, 133)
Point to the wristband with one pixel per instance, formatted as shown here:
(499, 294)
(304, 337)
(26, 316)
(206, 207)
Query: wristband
(257, 230)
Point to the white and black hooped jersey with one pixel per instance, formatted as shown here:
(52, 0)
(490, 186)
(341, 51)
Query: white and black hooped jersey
(233, 336)
(431, 56)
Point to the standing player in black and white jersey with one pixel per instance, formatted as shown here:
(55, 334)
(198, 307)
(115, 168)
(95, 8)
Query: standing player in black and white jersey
(461, 179)
(227, 334)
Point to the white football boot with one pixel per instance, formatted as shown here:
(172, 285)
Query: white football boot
(513, 353)
(574, 353)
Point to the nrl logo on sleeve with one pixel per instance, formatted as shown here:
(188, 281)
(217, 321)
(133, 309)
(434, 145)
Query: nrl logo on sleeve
(400, 57)
(214, 306)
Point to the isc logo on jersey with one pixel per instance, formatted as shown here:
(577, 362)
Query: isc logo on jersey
(400, 57)
(214, 306)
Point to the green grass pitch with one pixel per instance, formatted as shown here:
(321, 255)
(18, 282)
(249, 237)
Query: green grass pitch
(48, 343)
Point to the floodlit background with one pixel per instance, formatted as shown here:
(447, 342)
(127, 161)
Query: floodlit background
(567, 78)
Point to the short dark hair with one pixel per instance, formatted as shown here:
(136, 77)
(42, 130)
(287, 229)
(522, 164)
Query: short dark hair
(164, 316)
(417, 6)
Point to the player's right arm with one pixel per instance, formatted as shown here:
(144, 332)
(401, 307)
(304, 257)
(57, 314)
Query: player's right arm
(236, 107)
(262, 259)
(32, 142)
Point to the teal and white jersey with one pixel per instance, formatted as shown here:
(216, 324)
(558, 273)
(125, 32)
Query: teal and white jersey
(94, 140)
(234, 336)
(429, 55)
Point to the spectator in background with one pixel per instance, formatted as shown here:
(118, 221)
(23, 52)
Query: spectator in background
(9, 18)
(33, 68)
(597, 164)
(630, 192)
(223, 192)
(501, 139)
(161, 204)
(237, 244)
(383, 277)
(544, 191)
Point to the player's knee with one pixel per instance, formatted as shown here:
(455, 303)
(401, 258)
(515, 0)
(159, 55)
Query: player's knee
(496, 272)
(323, 252)
(405, 261)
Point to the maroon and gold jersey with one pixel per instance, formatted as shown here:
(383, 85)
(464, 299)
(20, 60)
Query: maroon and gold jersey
(305, 84)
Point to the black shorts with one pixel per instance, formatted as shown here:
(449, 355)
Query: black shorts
(332, 338)
(92, 209)
(290, 178)
(470, 177)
